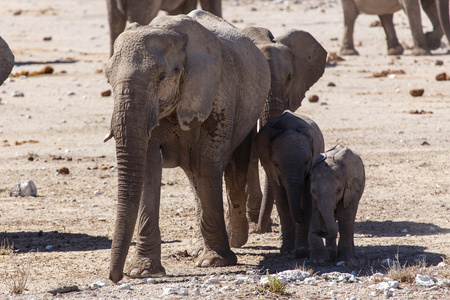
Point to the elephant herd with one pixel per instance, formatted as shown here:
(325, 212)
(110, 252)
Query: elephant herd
(188, 92)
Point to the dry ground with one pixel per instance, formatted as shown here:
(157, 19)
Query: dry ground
(62, 118)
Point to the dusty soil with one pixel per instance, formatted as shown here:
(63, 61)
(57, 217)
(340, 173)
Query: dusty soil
(62, 237)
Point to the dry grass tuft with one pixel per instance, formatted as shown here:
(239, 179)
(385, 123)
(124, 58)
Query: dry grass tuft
(274, 285)
(405, 273)
(6, 248)
(17, 277)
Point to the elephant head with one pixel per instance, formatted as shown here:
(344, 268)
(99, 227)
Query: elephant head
(337, 183)
(171, 67)
(287, 148)
(6, 61)
(296, 62)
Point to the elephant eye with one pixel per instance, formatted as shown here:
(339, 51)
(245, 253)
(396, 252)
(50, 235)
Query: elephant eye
(162, 76)
(289, 78)
(176, 70)
(338, 191)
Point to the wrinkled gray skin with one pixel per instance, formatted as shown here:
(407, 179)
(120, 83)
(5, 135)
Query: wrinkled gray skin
(296, 62)
(6, 60)
(144, 11)
(286, 147)
(187, 92)
(337, 184)
(437, 11)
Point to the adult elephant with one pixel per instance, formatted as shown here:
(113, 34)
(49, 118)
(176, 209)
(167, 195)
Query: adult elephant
(144, 11)
(6, 60)
(187, 92)
(437, 11)
(296, 60)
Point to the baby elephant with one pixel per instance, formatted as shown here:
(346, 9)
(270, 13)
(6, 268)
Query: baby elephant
(337, 184)
(287, 146)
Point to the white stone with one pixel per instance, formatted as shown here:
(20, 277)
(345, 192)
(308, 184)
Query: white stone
(212, 280)
(424, 280)
(226, 288)
(390, 293)
(293, 275)
(24, 189)
(150, 280)
(175, 290)
(125, 286)
(97, 192)
(341, 264)
(310, 281)
(17, 94)
(99, 284)
(70, 93)
(443, 283)
(48, 247)
(441, 264)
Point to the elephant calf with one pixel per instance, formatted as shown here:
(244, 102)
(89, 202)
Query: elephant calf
(337, 184)
(286, 147)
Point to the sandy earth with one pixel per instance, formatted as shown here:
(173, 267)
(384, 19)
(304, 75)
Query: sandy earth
(63, 236)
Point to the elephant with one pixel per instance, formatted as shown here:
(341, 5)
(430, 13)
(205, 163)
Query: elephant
(144, 11)
(6, 60)
(437, 11)
(337, 184)
(287, 146)
(188, 90)
(297, 61)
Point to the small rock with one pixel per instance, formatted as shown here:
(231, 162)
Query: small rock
(63, 170)
(442, 77)
(17, 94)
(47, 38)
(97, 192)
(99, 284)
(439, 62)
(70, 93)
(441, 264)
(405, 230)
(390, 293)
(424, 280)
(24, 189)
(416, 92)
(125, 286)
(106, 93)
(309, 281)
(48, 247)
(150, 280)
(102, 219)
(175, 290)
(212, 280)
(332, 84)
(313, 99)
(341, 264)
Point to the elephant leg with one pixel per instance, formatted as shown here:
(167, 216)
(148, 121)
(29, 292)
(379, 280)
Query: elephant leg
(433, 38)
(235, 181)
(317, 251)
(212, 6)
(253, 189)
(147, 260)
(117, 20)
(302, 229)
(346, 221)
(394, 47)
(216, 252)
(199, 244)
(264, 221)
(412, 10)
(350, 14)
(288, 226)
(186, 7)
(143, 12)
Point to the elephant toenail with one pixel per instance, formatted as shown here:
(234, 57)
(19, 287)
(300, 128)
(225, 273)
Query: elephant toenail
(205, 263)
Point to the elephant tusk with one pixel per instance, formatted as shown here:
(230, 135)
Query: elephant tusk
(107, 137)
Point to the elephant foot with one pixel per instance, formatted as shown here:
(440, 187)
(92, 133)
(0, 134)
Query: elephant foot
(301, 252)
(420, 52)
(143, 267)
(287, 248)
(211, 258)
(197, 248)
(397, 50)
(348, 51)
(318, 255)
(433, 40)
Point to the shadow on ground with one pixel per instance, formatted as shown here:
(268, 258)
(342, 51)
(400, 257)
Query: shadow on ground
(53, 241)
(389, 228)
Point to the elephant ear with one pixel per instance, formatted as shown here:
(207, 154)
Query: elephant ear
(259, 35)
(263, 148)
(6, 60)
(354, 172)
(309, 59)
(202, 75)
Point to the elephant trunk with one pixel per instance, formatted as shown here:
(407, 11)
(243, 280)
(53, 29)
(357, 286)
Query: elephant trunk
(131, 132)
(443, 11)
(294, 191)
(330, 224)
(274, 107)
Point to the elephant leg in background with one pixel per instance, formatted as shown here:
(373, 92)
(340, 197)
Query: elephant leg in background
(185, 8)
(235, 181)
(351, 12)
(346, 221)
(117, 22)
(433, 38)
(253, 189)
(412, 10)
(288, 226)
(212, 6)
(302, 229)
(147, 259)
(266, 209)
(394, 47)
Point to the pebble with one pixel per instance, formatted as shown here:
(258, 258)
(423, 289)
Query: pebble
(17, 94)
(150, 280)
(97, 192)
(341, 264)
(24, 189)
(125, 286)
(70, 93)
(48, 247)
(175, 290)
(424, 280)
(99, 284)
(212, 280)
